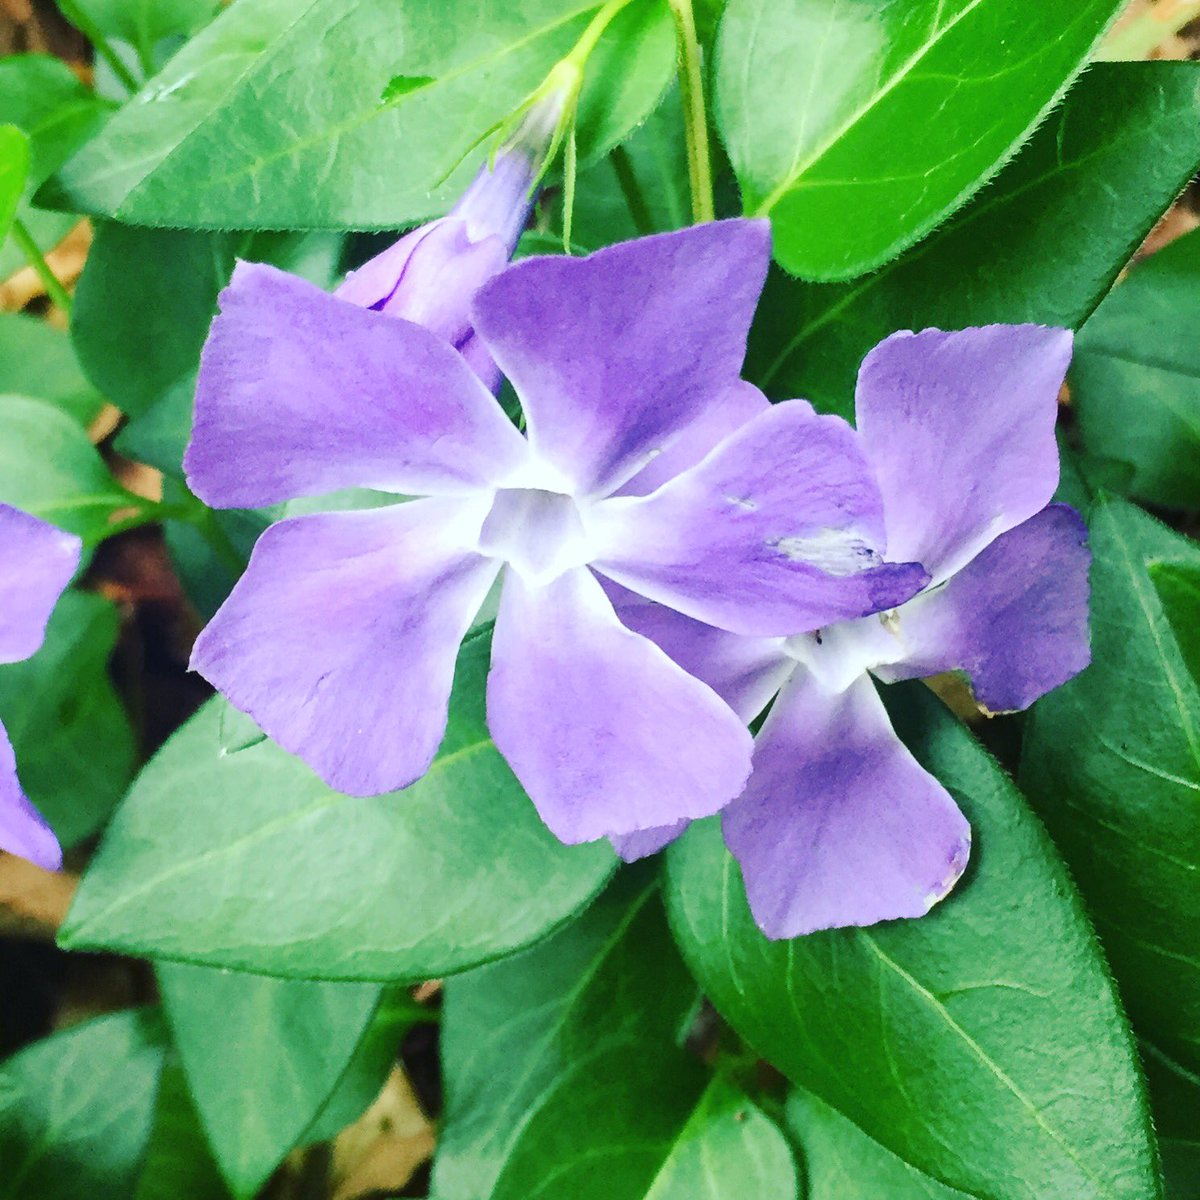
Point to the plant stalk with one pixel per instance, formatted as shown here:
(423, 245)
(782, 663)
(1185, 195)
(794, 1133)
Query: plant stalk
(695, 118)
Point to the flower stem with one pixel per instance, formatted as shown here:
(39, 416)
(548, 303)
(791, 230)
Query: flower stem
(91, 31)
(204, 521)
(635, 201)
(54, 289)
(583, 48)
(695, 119)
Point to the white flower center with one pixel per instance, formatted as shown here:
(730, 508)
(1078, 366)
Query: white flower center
(539, 533)
(838, 654)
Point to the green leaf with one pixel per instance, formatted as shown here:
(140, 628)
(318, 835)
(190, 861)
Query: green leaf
(640, 188)
(142, 310)
(42, 96)
(76, 1110)
(262, 1056)
(842, 1163)
(858, 127)
(600, 1103)
(71, 735)
(178, 1162)
(14, 168)
(144, 23)
(143, 306)
(727, 1147)
(374, 1057)
(1178, 588)
(1112, 762)
(37, 360)
(1043, 242)
(273, 872)
(273, 116)
(1175, 1097)
(1135, 381)
(50, 469)
(982, 1044)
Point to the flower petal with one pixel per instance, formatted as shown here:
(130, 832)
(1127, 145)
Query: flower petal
(1015, 618)
(839, 825)
(744, 671)
(605, 732)
(37, 561)
(774, 533)
(613, 354)
(959, 428)
(301, 394)
(738, 404)
(22, 830)
(340, 639)
(632, 846)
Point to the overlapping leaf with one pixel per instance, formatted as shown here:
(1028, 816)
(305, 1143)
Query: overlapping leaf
(858, 127)
(1112, 761)
(1043, 242)
(247, 860)
(983, 1044)
(282, 116)
(1136, 376)
(601, 1102)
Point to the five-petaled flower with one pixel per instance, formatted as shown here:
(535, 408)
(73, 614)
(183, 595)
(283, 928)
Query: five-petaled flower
(36, 562)
(839, 825)
(341, 638)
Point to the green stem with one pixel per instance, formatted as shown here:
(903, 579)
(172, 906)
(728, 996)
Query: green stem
(205, 522)
(583, 48)
(1136, 39)
(91, 31)
(54, 289)
(695, 119)
(635, 201)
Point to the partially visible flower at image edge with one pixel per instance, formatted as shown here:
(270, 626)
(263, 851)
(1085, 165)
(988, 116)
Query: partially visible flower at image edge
(839, 825)
(37, 562)
(341, 638)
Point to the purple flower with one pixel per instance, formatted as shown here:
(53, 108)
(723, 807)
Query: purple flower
(36, 563)
(838, 824)
(341, 638)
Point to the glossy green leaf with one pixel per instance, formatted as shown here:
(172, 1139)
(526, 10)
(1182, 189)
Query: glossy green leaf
(842, 1163)
(178, 1162)
(1043, 242)
(858, 127)
(37, 360)
(1112, 762)
(274, 872)
(600, 1102)
(275, 116)
(982, 1044)
(1135, 381)
(43, 96)
(14, 169)
(72, 738)
(376, 1054)
(262, 1057)
(49, 468)
(76, 1110)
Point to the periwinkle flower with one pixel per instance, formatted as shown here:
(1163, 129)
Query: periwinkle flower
(36, 562)
(341, 638)
(839, 825)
